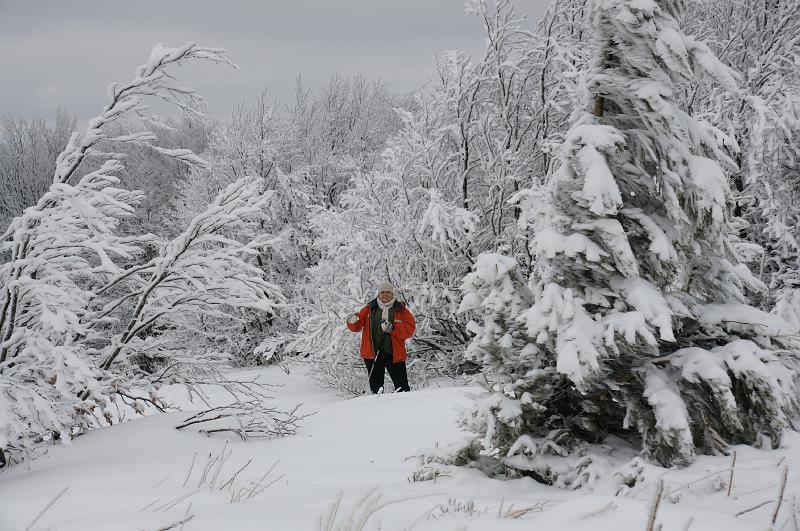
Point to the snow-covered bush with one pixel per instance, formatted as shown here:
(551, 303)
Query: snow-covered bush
(639, 325)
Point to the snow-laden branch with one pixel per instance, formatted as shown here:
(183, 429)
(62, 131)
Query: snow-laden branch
(203, 269)
(151, 79)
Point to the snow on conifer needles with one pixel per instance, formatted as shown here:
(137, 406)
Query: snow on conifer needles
(623, 342)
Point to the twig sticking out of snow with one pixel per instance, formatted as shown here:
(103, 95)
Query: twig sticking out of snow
(452, 506)
(186, 516)
(180, 522)
(216, 480)
(610, 507)
(41, 513)
(149, 505)
(762, 504)
(245, 493)
(638, 489)
(366, 507)
(754, 491)
(191, 467)
(780, 495)
(220, 462)
(172, 503)
(651, 521)
(521, 512)
(730, 479)
(230, 481)
(162, 480)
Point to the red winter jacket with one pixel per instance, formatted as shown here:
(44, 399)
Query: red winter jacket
(404, 326)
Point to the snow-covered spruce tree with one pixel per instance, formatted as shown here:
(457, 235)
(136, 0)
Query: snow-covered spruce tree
(496, 289)
(640, 326)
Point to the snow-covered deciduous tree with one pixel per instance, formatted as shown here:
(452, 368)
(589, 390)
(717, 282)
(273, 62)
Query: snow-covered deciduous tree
(339, 130)
(364, 241)
(640, 325)
(472, 139)
(58, 247)
(259, 141)
(79, 302)
(201, 274)
(759, 41)
(28, 151)
(162, 178)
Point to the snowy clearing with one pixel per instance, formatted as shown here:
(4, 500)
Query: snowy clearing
(134, 476)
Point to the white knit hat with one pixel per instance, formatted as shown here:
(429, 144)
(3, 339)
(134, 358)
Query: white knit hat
(384, 285)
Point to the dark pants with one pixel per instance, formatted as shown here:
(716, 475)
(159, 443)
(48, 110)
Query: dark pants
(397, 372)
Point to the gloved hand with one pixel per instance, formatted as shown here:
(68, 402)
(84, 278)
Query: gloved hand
(352, 319)
(386, 326)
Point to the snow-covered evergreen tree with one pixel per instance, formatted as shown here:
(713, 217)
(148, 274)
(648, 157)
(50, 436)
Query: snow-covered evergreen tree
(640, 325)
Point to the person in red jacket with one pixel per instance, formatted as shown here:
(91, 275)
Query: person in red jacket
(385, 324)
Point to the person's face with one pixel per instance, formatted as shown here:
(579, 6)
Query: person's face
(385, 296)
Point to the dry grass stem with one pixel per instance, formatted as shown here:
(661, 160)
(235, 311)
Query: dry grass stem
(730, 478)
(651, 520)
(780, 495)
(762, 504)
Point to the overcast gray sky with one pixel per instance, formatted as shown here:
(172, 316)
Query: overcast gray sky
(65, 53)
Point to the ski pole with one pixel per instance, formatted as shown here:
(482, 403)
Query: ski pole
(374, 362)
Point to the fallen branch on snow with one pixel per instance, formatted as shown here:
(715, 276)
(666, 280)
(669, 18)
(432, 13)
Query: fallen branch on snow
(246, 419)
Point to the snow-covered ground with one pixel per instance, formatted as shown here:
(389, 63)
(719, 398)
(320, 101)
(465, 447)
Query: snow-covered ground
(360, 452)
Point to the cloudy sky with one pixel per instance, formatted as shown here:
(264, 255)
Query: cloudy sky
(55, 52)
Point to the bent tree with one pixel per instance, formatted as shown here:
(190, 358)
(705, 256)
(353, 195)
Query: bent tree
(84, 314)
